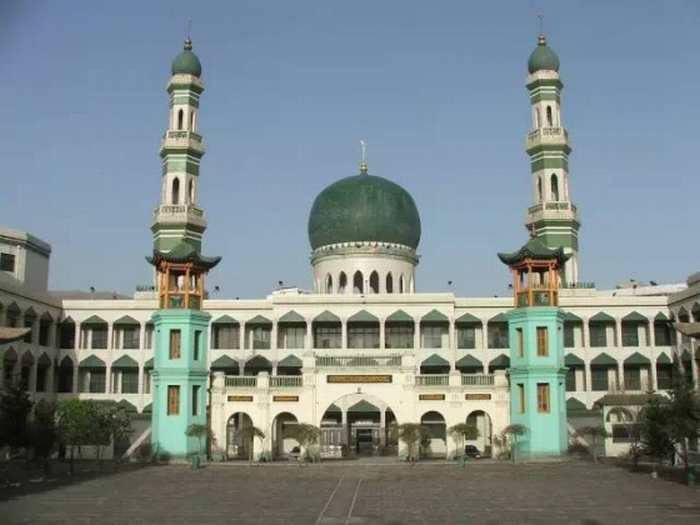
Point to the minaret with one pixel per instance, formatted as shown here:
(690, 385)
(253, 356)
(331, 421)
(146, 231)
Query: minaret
(180, 368)
(178, 218)
(535, 332)
(553, 216)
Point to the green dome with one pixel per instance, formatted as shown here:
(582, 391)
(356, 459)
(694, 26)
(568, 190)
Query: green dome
(187, 63)
(543, 58)
(364, 208)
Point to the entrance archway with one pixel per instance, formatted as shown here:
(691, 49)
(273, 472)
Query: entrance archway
(236, 446)
(436, 444)
(281, 445)
(482, 421)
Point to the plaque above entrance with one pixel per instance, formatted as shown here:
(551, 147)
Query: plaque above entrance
(355, 378)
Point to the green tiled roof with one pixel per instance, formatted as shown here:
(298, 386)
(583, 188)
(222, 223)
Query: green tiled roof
(184, 252)
(637, 359)
(469, 361)
(399, 316)
(501, 360)
(333, 408)
(573, 360)
(127, 406)
(602, 317)
(500, 318)
(534, 249)
(635, 317)
(663, 359)
(290, 361)
(224, 319)
(326, 317)
(435, 360)
(291, 317)
(125, 361)
(147, 409)
(258, 361)
(259, 319)
(603, 360)
(661, 317)
(572, 318)
(363, 406)
(434, 317)
(94, 319)
(363, 316)
(92, 362)
(148, 363)
(467, 319)
(224, 362)
(66, 362)
(127, 320)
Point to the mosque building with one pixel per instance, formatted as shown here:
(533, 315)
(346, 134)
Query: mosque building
(364, 350)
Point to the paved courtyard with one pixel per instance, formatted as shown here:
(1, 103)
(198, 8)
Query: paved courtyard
(361, 494)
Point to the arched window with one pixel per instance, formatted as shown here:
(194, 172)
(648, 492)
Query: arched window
(190, 192)
(358, 283)
(176, 191)
(374, 282)
(342, 282)
(192, 121)
(549, 116)
(329, 284)
(401, 284)
(554, 188)
(389, 283)
(180, 116)
(539, 188)
(537, 118)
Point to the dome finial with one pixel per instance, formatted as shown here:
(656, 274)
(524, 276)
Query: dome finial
(364, 168)
(188, 40)
(541, 40)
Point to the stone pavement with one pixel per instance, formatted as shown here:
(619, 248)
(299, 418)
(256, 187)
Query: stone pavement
(355, 494)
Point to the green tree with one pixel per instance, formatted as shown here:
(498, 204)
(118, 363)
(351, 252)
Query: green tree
(248, 434)
(683, 414)
(15, 407)
(655, 439)
(306, 434)
(43, 433)
(412, 434)
(201, 432)
(512, 434)
(594, 434)
(75, 419)
(462, 432)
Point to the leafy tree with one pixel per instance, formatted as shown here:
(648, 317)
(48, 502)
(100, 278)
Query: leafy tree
(595, 435)
(199, 431)
(653, 420)
(15, 407)
(249, 434)
(43, 433)
(75, 420)
(412, 434)
(511, 434)
(683, 415)
(462, 432)
(306, 434)
(111, 422)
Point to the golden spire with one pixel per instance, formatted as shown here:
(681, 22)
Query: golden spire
(364, 168)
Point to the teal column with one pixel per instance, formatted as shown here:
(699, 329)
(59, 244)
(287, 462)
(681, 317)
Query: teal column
(537, 382)
(179, 382)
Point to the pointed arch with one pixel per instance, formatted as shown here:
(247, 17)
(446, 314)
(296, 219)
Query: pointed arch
(329, 284)
(180, 119)
(190, 192)
(550, 122)
(358, 283)
(175, 194)
(539, 189)
(192, 121)
(402, 284)
(374, 282)
(342, 282)
(538, 118)
(554, 187)
(389, 285)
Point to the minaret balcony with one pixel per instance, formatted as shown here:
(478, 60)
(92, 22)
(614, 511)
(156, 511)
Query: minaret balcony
(547, 136)
(564, 210)
(178, 213)
(182, 139)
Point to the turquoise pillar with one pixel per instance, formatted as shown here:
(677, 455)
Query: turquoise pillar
(537, 379)
(180, 380)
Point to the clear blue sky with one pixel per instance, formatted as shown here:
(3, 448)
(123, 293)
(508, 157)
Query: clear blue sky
(437, 88)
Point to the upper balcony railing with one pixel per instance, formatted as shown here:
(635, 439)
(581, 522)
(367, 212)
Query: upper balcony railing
(241, 381)
(178, 209)
(432, 380)
(478, 379)
(182, 139)
(556, 205)
(286, 381)
(359, 361)
(547, 135)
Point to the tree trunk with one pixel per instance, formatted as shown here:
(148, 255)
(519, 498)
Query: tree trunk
(71, 467)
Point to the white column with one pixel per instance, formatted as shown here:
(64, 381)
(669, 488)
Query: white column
(485, 337)
(76, 340)
(344, 332)
(142, 336)
(453, 345)
(586, 334)
(241, 337)
(108, 379)
(620, 375)
(382, 334)
(309, 341)
(76, 375)
(382, 427)
(618, 332)
(416, 333)
(273, 336)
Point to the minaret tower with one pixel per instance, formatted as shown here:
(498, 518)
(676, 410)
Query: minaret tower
(537, 373)
(180, 369)
(178, 218)
(553, 218)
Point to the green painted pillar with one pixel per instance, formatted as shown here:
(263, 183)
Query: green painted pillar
(537, 379)
(180, 380)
